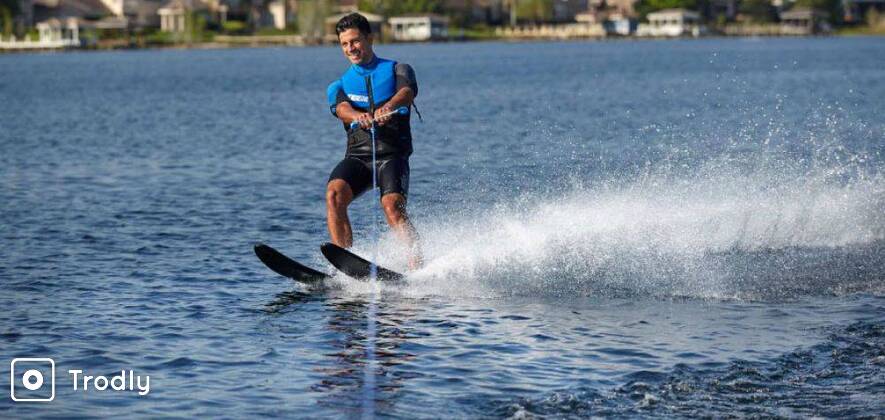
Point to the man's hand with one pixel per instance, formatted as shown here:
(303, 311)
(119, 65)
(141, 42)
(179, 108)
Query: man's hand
(403, 97)
(365, 120)
(383, 114)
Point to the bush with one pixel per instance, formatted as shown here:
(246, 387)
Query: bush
(275, 31)
(476, 32)
(234, 27)
(160, 38)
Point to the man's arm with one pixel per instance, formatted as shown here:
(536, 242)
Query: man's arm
(346, 113)
(341, 108)
(406, 90)
(404, 97)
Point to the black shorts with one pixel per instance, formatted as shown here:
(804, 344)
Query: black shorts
(393, 174)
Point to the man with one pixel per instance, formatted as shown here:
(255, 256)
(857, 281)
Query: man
(393, 85)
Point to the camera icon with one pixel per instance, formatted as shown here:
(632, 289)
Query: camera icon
(32, 379)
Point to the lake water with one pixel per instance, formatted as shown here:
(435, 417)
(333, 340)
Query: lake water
(656, 228)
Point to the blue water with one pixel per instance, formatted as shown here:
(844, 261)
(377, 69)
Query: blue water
(657, 228)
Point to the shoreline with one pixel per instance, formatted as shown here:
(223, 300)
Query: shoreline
(294, 41)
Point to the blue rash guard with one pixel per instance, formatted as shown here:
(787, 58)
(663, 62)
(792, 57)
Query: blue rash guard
(394, 139)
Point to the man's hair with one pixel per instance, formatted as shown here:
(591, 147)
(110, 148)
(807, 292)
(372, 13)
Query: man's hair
(353, 20)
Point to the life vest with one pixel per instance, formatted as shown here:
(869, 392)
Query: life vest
(394, 137)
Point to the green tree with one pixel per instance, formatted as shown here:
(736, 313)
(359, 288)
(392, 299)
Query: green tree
(833, 7)
(534, 10)
(398, 7)
(8, 10)
(758, 10)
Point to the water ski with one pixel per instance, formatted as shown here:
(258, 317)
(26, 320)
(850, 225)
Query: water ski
(286, 266)
(355, 266)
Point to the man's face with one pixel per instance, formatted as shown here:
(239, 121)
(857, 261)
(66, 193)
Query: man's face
(356, 46)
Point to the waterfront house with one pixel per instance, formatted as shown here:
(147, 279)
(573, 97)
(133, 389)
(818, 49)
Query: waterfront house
(671, 23)
(56, 33)
(803, 21)
(566, 11)
(620, 25)
(616, 17)
(61, 23)
(114, 14)
(282, 13)
(590, 17)
(587, 24)
(139, 13)
(420, 27)
(621, 7)
(44, 10)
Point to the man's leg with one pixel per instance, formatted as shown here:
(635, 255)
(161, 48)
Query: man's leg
(338, 197)
(394, 205)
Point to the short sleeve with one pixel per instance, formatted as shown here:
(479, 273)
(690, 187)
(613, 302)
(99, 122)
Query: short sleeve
(335, 95)
(405, 76)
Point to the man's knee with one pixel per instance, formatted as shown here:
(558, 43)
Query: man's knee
(338, 194)
(394, 206)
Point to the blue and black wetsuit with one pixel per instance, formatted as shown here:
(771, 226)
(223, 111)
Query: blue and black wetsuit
(393, 139)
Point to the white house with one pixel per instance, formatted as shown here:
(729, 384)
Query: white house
(419, 27)
(54, 33)
(138, 13)
(804, 21)
(618, 24)
(671, 23)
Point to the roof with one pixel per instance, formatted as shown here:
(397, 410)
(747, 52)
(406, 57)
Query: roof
(673, 12)
(175, 5)
(110, 22)
(803, 13)
(55, 23)
(72, 8)
(585, 17)
(45, 3)
(412, 16)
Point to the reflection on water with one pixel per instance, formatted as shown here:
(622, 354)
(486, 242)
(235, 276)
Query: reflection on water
(343, 383)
